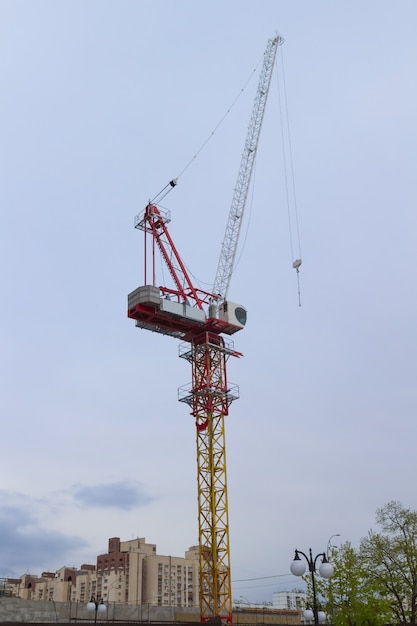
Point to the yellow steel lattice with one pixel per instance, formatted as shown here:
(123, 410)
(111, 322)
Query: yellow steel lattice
(210, 405)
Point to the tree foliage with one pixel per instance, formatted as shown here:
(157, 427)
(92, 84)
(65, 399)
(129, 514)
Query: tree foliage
(376, 584)
(391, 559)
(351, 599)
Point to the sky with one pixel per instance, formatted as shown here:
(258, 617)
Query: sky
(102, 103)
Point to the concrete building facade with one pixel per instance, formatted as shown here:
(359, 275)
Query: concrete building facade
(130, 573)
(294, 600)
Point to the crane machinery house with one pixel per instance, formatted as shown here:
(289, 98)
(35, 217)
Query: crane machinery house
(154, 311)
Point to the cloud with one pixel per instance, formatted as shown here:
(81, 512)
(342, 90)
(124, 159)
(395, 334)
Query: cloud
(119, 495)
(25, 545)
(27, 541)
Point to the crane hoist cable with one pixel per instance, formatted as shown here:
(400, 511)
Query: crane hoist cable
(290, 199)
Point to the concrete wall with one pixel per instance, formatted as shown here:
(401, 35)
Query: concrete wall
(18, 610)
(21, 611)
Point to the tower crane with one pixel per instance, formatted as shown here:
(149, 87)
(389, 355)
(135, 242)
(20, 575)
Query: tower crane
(204, 322)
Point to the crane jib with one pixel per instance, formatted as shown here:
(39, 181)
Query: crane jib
(231, 237)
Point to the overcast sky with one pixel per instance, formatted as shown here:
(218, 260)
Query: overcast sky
(102, 103)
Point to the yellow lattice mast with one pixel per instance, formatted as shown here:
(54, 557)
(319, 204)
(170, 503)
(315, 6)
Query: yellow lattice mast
(209, 398)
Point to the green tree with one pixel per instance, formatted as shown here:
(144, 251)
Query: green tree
(390, 559)
(349, 597)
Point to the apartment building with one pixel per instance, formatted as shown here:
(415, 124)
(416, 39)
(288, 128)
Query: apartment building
(131, 572)
(296, 599)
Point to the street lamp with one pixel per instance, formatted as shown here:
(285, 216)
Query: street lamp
(326, 570)
(329, 545)
(96, 605)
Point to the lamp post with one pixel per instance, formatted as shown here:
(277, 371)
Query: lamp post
(326, 570)
(329, 545)
(96, 605)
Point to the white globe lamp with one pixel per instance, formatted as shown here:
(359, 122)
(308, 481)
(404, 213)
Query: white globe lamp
(326, 569)
(297, 567)
(96, 605)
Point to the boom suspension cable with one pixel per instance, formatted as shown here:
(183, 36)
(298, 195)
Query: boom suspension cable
(172, 183)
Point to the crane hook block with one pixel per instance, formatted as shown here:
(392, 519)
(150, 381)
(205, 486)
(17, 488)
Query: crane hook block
(297, 263)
